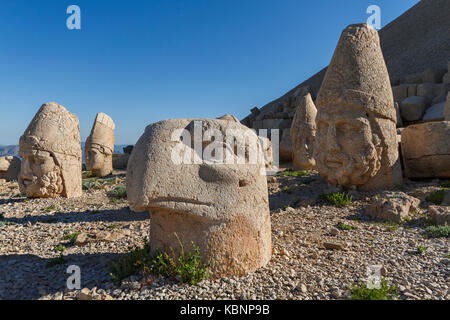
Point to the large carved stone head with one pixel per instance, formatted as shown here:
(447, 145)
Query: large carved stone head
(303, 132)
(356, 136)
(99, 146)
(51, 154)
(189, 190)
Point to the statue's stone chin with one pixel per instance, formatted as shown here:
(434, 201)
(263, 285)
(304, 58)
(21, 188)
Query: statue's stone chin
(47, 185)
(350, 170)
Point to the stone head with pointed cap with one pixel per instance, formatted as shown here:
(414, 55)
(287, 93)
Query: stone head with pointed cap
(99, 146)
(303, 132)
(356, 144)
(51, 154)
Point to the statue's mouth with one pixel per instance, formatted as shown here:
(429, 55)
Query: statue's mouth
(179, 204)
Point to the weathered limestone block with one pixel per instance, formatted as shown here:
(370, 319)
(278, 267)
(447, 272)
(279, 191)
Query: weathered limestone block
(50, 149)
(393, 206)
(435, 112)
(222, 207)
(413, 108)
(447, 108)
(426, 150)
(356, 140)
(431, 90)
(412, 78)
(433, 75)
(120, 161)
(9, 168)
(303, 132)
(285, 145)
(99, 146)
(439, 215)
(400, 92)
(446, 78)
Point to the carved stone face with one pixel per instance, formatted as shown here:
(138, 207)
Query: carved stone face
(40, 175)
(304, 151)
(97, 159)
(222, 208)
(347, 151)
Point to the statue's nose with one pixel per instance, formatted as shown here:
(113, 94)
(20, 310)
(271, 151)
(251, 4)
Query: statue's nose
(332, 143)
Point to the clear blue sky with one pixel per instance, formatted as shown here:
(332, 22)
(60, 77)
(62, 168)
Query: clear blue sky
(144, 61)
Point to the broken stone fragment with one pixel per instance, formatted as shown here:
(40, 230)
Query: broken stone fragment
(392, 206)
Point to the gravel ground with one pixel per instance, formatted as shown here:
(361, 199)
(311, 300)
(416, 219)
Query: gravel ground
(302, 267)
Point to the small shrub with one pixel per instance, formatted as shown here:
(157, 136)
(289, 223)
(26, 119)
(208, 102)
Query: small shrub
(391, 225)
(188, 266)
(6, 223)
(338, 199)
(59, 248)
(119, 192)
(344, 226)
(421, 250)
(71, 236)
(438, 231)
(436, 197)
(286, 189)
(135, 260)
(55, 261)
(113, 226)
(50, 208)
(385, 292)
(445, 184)
(289, 173)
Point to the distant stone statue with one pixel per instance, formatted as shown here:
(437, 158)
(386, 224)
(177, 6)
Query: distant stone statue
(303, 132)
(356, 143)
(51, 154)
(9, 168)
(222, 207)
(99, 146)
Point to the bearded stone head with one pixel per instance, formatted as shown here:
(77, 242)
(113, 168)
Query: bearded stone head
(356, 144)
(51, 154)
(100, 145)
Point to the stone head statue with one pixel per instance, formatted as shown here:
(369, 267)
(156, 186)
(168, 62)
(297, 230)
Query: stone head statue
(190, 191)
(356, 136)
(99, 146)
(303, 132)
(9, 168)
(51, 154)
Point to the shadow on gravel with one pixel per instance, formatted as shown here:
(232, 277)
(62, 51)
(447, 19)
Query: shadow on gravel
(11, 200)
(30, 276)
(296, 191)
(124, 214)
